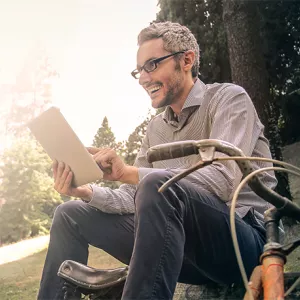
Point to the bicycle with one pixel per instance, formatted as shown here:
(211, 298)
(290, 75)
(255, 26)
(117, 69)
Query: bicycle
(267, 280)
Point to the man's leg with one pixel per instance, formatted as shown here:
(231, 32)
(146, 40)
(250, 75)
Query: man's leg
(183, 233)
(76, 225)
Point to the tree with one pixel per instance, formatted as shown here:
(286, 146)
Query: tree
(106, 138)
(134, 142)
(248, 66)
(281, 35)
(27, 187)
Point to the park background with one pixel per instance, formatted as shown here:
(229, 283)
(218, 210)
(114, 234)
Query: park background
(78, 55)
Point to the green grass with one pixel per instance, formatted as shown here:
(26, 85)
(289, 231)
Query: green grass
(19, 280)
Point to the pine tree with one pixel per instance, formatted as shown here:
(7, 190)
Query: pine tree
(105, 138)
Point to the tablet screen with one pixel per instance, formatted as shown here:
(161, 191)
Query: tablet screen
(61, 143)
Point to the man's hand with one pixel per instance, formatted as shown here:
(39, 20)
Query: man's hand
(107, 159)
(63, 182)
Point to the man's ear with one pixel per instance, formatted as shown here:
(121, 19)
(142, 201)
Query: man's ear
(189, 59)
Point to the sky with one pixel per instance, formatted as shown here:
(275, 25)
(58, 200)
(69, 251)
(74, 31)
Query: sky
(92, 44)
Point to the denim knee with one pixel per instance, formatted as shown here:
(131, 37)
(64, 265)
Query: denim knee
(65, 209)
(147, 194)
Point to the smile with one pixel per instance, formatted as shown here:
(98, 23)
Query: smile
(154, 89)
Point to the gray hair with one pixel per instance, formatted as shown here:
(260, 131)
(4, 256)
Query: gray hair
(175, 37)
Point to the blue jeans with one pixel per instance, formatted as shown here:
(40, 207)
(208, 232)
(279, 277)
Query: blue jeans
(181, 235)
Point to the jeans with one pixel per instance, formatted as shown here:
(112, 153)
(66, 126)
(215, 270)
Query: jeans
(180, 235)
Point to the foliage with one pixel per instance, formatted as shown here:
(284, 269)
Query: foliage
(27, 188)
(134, 142)
(281, 36)
(106, 138)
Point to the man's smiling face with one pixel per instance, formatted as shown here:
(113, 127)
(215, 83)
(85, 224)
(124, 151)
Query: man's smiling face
(165, 84)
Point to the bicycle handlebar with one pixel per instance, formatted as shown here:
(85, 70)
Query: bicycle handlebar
(206, 149)
(172, 150)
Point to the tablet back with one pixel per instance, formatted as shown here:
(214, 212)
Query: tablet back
(61, 143)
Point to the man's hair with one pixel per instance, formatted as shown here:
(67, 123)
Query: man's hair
(175, 37)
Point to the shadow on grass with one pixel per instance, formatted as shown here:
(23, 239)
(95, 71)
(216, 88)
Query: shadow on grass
(20, 279)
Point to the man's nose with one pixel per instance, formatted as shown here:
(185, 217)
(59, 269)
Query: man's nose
(145, 77)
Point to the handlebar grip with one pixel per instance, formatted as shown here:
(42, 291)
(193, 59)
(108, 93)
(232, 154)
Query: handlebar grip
(171, 150)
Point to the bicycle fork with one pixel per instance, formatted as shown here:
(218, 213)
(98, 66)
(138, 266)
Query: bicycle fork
(269, 275)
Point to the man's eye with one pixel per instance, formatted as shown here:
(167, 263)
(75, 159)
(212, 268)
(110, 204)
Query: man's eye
(149, 66)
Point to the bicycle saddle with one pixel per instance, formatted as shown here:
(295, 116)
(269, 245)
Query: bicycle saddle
(90, 278)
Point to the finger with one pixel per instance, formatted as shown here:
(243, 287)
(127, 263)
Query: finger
(60, 169)
(92, 150)
(64, 176)
(104, 159)
(103, 152)
(67, 183)
(54, 168)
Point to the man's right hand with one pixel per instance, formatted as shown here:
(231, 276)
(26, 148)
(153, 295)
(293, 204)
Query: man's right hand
(63, 182)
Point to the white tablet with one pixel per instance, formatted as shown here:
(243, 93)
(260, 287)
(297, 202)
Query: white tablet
(61, 143)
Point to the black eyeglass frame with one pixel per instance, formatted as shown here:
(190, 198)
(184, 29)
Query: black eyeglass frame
(136, 72)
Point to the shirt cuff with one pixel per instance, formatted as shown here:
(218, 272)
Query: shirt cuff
(99, 197)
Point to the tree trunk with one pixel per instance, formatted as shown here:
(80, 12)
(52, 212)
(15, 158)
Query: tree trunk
(247, 61)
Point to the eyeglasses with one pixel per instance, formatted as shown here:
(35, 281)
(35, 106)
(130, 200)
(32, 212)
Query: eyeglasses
(151, 65)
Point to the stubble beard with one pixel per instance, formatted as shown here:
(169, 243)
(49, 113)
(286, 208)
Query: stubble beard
(174, 90)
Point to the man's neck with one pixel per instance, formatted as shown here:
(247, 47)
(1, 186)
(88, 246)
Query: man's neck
(177, 107)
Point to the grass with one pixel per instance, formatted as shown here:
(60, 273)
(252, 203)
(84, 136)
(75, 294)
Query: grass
(19, 280)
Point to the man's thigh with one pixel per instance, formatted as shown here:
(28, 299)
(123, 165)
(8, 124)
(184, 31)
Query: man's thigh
(111, 232)
(209, 253)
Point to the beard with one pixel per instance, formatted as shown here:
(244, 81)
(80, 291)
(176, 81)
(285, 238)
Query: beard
(174, 89)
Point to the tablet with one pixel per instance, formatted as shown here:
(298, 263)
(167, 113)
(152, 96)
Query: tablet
(61, 143)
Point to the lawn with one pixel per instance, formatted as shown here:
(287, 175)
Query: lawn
(19, 279)
(19, 275)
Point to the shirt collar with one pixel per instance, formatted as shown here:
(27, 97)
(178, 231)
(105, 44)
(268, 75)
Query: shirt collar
(194, 98)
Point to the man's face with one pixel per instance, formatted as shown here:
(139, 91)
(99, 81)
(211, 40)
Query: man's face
(164, 85)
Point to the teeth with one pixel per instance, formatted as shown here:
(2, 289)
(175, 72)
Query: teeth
(153, 89)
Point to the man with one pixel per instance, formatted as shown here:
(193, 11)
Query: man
(183, 233)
